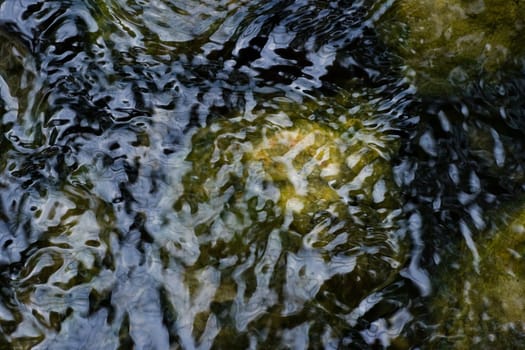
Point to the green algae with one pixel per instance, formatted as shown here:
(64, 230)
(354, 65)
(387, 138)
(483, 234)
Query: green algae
(448, 45)
(312, 204)
(265, 216)
(278, 224)
(479, 298)
(311, 164)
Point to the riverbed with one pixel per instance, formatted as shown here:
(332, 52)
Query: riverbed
(243, 174)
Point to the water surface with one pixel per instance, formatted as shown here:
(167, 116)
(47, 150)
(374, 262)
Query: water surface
(246, 174)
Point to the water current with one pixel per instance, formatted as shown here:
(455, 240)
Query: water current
(196, 174)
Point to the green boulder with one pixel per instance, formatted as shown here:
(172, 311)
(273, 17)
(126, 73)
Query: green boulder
(448, 44)
(479, 299)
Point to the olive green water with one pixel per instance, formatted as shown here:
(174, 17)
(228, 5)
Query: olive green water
(261, 174)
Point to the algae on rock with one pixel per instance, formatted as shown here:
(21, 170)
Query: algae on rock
(479, 301)
(448, 44)
(296, 207)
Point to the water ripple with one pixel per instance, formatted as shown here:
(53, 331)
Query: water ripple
(205, 173)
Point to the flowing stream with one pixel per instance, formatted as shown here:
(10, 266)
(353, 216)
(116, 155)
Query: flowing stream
(234, 174)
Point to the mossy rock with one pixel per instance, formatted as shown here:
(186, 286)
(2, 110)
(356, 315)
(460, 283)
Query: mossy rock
(448, 45)
(313, 166)
(306, 191)
(479, 301)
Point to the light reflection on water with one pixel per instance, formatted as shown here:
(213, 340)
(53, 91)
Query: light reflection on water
(222, 174)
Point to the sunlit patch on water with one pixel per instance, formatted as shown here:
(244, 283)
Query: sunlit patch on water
(261, 227)
(247, 174)
(484, 305)
(287, 210)
(188, 174)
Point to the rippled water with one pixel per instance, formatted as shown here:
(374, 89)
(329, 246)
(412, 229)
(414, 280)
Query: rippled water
(245, 174)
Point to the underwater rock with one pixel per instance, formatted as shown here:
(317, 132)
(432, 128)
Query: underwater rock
(297, 213)
(479, 299)
(180, 187)
(273, 226)
(278, 226)
(448, 45)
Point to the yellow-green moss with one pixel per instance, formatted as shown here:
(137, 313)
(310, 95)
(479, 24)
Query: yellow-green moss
(314, 166)
(446, 44)
(480, 304)
(294, 185)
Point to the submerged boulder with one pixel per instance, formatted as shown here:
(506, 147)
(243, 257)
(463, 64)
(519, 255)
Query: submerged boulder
(479, 302)
(447, 45)
(295, 209)
(281, 225)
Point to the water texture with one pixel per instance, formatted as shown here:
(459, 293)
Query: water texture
(244, 174)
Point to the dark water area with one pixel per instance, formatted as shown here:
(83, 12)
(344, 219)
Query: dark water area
(249, 174)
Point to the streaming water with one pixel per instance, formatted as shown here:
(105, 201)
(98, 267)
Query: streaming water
(243, 174)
